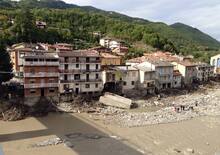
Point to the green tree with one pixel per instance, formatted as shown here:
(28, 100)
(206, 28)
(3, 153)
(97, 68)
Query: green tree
(24, 28)
(5, 65)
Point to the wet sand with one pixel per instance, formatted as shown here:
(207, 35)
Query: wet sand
(201, 135)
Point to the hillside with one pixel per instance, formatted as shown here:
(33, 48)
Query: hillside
(69, 22)
(195, 34)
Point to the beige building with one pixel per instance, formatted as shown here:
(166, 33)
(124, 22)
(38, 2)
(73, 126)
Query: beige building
(188, 71)
(163, 71)
(120, 79)
(215, 61)
(80, 72)
(147, 79)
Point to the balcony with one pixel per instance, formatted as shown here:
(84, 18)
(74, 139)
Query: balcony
(81, 80)
(78, 71)
(40, 85)
(79, 62)
(41, 74)
(37, 63)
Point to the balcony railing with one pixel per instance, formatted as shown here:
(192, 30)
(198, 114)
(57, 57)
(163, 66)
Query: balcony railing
(41, 85)
(79, 62)
(41, 74)
(78, 70)
(81, 80)
(33, 63)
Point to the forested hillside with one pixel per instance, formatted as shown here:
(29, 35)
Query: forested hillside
(74, 24)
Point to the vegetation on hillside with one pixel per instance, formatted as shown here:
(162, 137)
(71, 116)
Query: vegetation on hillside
(5, 64)
(73, 24)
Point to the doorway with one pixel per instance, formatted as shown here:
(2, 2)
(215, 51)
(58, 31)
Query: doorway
(42, 92)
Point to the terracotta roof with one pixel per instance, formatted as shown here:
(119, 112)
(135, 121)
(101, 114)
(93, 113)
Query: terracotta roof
(107, 55)
(80, 53)
(187, 63)
(137, 60)
(163, 56)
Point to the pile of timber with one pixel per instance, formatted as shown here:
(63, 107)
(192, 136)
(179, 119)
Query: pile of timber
(114, 100)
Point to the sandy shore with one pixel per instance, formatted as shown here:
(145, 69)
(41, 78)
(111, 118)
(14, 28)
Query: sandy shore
(200, 136)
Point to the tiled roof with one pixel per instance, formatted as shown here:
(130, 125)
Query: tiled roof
(80, 53)
(107, 55)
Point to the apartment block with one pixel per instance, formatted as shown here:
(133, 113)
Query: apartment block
(41, 76)
(204, 72)
(80, 72)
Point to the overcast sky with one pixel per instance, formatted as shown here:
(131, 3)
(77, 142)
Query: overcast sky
(202, 14)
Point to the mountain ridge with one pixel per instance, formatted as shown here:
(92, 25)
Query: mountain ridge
(180, 34)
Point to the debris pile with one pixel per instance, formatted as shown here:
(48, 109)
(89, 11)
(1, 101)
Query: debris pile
(49, 142)
(174, 109)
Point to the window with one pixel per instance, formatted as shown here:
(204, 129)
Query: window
(21, 55)
(32, 70)
(97, 76)
(132, 83)
(87, 85)
(125, 83)
(77, 65)
(77, 59)
(51, 80)
(96, 85)
(32, 91)
(77, 77)
(97, 58)
(51, 90)
(77, 84)
(32, 81)
(87, 59)
(97, 66)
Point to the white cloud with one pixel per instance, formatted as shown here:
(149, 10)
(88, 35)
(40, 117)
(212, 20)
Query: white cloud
(203, 14)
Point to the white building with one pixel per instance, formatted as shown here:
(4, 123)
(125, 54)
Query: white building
(215, 61)
(80, 72)
(163, 71)
(105, 42)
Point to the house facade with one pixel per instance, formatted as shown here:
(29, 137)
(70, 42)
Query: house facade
(215, 61)
(204, 72)
(80, 72)
(188, 71)
(177, 79)
(163, 71)
(40, 77)
(147, 79)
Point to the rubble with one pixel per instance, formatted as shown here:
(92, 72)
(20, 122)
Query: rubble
(172, 109)
(49, 142)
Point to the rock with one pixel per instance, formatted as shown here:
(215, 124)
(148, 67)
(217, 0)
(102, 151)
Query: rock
(190, 150)
(68, 144)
